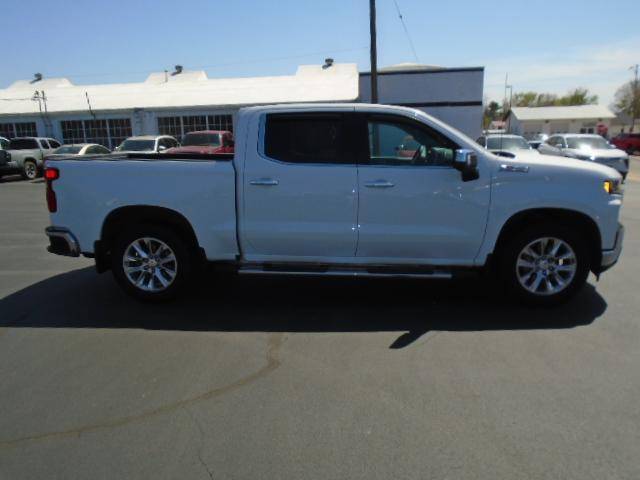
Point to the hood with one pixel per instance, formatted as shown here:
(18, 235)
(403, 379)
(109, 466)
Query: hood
(598, 152)
(134, 151)
(556, 163)
(204, 149)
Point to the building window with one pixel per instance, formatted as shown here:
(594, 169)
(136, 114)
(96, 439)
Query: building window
(220, 122)
(96, 132)
(109, 133)
(194, 124)
(72, 131)
(7, 130)
(18, 129)
(119, 131)
(170, 126)
(26, 129)
(179, 126)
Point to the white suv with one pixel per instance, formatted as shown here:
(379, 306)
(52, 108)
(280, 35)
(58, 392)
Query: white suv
(592, 148)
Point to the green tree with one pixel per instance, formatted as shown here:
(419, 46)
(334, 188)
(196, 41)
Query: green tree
(491, 112)
(627, 99)
(577, 96)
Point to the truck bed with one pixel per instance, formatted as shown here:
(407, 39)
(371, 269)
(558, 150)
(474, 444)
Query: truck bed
(201, 188)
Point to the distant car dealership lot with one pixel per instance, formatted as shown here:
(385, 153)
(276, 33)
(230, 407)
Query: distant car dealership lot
(282, 378)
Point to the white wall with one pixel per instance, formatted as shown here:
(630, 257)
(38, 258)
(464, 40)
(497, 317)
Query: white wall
(451, 95)
(528, 128)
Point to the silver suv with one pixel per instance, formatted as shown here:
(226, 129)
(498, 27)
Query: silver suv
(592, 148)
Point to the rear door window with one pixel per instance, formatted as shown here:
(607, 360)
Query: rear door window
(315, 138)
(44, 144)
(23, 144)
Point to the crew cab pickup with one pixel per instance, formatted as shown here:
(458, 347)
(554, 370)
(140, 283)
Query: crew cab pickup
(26, 156)
(331, 190)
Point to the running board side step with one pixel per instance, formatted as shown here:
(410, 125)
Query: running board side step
(346, 273)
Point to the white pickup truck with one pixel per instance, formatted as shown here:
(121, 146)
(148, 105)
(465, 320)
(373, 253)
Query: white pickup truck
(352, 190)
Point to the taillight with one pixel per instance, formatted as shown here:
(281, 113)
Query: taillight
(51, 174)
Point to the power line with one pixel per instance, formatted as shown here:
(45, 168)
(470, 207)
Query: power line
(406, 30)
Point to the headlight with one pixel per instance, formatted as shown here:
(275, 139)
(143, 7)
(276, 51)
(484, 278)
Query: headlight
(613, 187)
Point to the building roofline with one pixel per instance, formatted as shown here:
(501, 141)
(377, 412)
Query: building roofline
(418, 70)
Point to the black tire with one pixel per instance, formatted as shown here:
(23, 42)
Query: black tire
(509, 273)
(183, 266)
(29, 170)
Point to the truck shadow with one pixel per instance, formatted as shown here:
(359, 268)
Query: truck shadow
(83, 299)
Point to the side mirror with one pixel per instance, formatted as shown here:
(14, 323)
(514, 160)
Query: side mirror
(466, 161)
(161, 148)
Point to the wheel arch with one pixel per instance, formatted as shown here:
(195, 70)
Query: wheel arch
(566, 217)
(122, 217)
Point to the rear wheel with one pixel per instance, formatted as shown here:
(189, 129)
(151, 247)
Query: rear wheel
(29, 170)
(151, 263)
(545, 264)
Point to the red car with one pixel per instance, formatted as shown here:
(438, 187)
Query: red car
(206, 141)
(629, 142)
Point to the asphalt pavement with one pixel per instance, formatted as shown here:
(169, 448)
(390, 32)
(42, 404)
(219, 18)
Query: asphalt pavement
(275, 378)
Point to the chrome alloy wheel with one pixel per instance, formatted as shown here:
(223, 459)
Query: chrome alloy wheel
(150, 264)
(546, 266)
(30, 170)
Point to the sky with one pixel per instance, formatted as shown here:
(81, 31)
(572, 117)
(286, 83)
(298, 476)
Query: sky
(542, 45)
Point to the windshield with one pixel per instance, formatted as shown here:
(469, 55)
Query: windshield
(70, 149)
(201, 139)
(587, 143)
(137, 146)
(507, 143)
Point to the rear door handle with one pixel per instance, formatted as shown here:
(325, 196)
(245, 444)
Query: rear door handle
(379, 184)
(266, 182)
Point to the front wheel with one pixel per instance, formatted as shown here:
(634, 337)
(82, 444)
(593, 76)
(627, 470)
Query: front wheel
(545, 264)
(151, 263)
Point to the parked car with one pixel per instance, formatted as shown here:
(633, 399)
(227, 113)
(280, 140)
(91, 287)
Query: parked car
(322, 190)
(26, 155)
(589, 147)
(505, 145)
(206, 141)
(629, 142)
(79, 149)
(147, 144)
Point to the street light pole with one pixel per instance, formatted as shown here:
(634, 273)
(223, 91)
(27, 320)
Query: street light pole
(374, 51)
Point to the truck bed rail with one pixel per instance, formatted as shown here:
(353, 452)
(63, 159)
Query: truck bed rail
(167, 157)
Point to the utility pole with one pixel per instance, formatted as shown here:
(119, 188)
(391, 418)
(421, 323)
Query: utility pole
(374, 52)
(635, 100)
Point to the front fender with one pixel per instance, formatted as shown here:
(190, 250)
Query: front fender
(541, 188)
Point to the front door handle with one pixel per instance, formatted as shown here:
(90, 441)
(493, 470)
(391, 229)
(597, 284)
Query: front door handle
(267, 182)
(379, 184)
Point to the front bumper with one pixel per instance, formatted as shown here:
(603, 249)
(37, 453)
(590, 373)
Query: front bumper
(62, 242)
(610, 257)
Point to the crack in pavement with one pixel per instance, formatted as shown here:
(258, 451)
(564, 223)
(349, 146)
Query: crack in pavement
(199, 451)
(274, 343)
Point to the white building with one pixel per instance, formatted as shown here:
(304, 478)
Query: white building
(530, 121)
(182, 101)
(453, 95)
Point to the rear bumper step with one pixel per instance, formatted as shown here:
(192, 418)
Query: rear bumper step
(62, 242)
